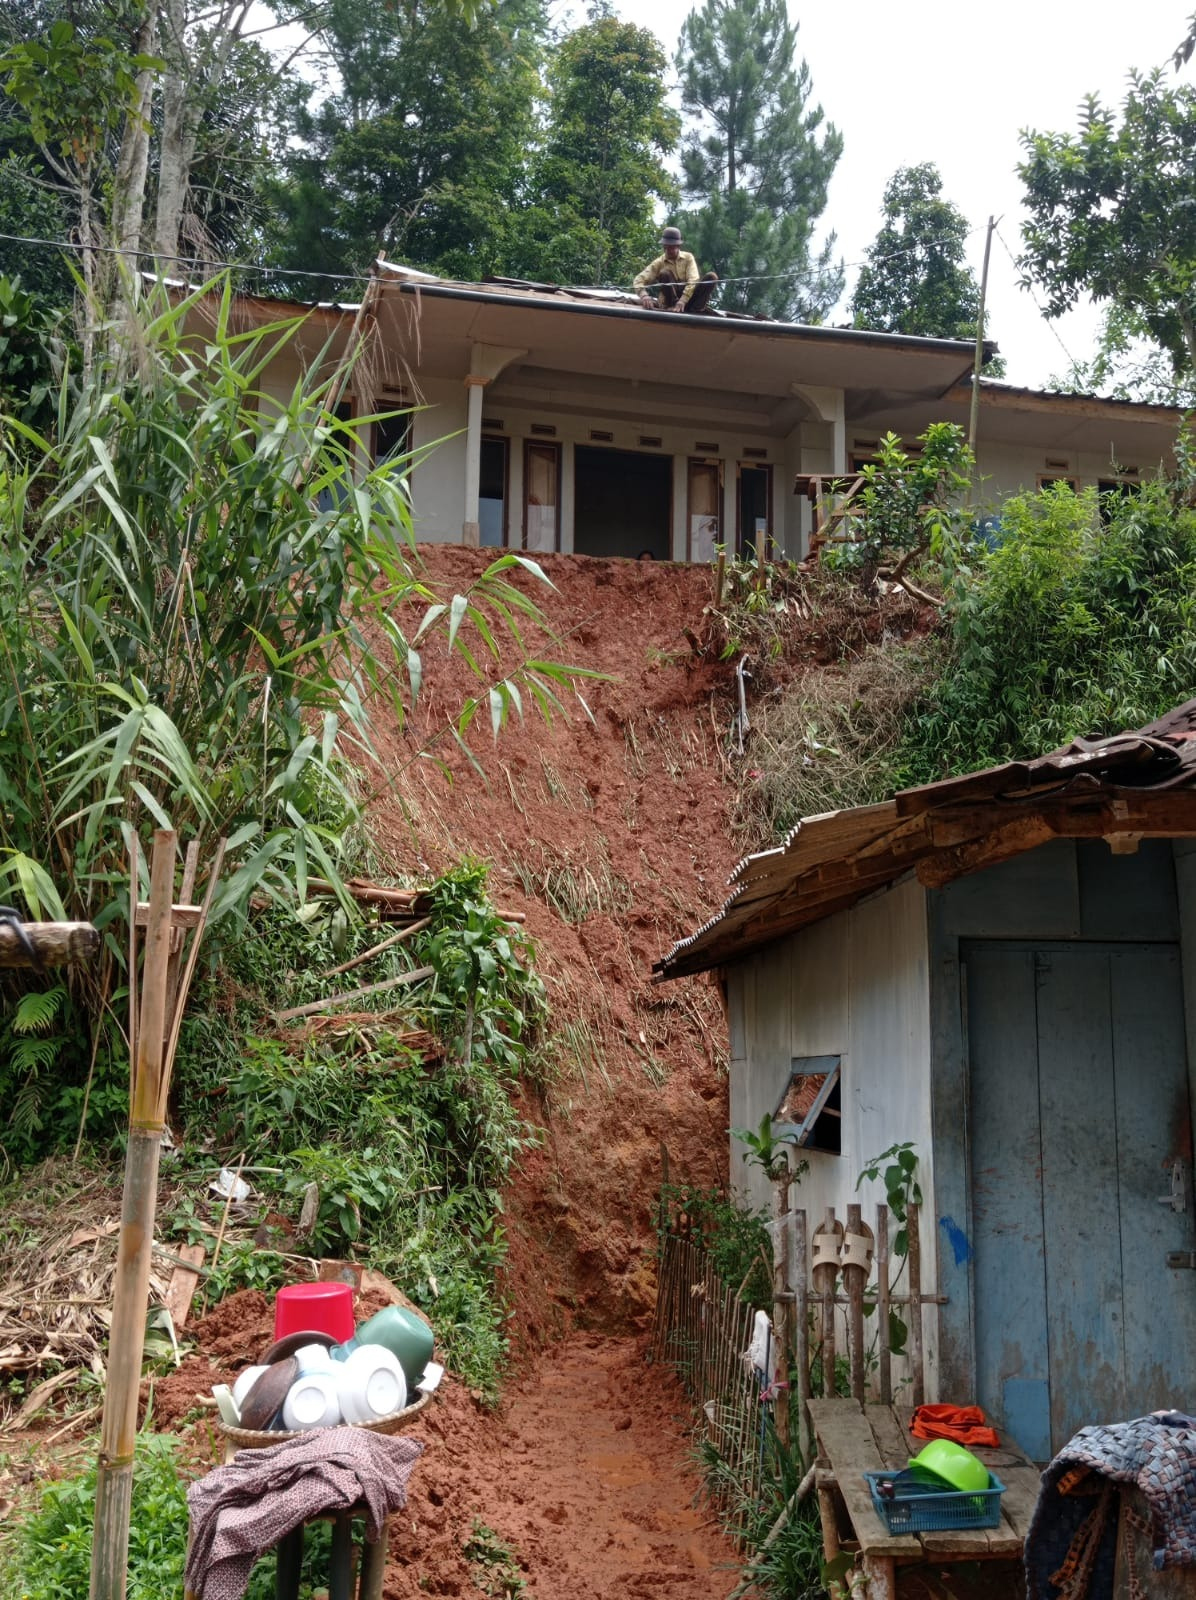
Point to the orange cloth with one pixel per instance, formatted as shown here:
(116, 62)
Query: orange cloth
(964, 1424)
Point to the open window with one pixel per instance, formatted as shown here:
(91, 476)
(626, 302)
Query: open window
(809, 1113)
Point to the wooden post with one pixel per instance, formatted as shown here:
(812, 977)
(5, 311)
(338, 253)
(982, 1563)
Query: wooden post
(780, 1299)
(853, 1282)
(882, 1304)
(801, 1317)
(156, 1036)
(917, 1375)
(978, 360)
(825, 1277)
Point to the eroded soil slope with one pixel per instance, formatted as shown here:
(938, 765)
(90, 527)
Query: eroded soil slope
(609, 832)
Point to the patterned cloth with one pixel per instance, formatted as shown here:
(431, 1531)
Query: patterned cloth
(1155, 1453)
(242, 1509)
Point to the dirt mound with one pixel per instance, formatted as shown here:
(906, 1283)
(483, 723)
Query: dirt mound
(607, 829)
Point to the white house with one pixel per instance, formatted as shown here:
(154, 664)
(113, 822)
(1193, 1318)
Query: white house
(574, 420)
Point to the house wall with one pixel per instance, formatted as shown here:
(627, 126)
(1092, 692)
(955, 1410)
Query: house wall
(853, 986)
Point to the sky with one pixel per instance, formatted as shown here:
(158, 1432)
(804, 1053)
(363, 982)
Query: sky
(953, 83)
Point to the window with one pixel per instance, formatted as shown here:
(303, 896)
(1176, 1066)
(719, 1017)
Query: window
(1111, 490)
(705, 509)
(810, 1112)
(542, 496)
(492, 492)
(1047, 481)
(336, 448)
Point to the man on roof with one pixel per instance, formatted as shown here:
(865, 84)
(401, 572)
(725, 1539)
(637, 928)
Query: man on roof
(682, 287)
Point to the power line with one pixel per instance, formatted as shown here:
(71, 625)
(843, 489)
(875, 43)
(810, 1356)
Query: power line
(1072, 362)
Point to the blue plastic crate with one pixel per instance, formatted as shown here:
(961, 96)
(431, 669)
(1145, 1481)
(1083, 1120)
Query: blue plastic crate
(927, 1510)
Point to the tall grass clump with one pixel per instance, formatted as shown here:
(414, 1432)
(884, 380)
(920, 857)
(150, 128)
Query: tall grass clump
(198, 610)
(1080, 619)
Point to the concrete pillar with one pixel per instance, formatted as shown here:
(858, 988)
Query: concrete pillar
(475, 389)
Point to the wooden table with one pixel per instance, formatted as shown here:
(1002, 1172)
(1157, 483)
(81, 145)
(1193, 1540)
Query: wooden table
(853, 1440)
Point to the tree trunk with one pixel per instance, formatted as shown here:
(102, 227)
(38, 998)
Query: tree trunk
(128, 186)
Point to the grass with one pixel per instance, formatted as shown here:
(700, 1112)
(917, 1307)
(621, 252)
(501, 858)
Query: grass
(833, 739)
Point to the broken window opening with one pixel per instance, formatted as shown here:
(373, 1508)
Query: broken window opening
(810, 1111)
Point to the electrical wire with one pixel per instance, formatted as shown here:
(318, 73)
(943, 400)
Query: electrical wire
(1072, 362)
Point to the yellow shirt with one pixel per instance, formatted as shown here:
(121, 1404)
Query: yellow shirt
(685, 268)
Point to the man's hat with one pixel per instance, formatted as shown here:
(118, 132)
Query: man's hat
(671, 236)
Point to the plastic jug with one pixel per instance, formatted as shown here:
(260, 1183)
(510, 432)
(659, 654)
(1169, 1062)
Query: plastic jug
(405, 1335)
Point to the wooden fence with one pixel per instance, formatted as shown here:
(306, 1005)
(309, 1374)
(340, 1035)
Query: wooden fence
(846, 1310)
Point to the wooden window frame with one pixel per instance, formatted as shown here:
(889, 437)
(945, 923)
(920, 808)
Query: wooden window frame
(1045, 479)
(554, 445)
(821, 1120)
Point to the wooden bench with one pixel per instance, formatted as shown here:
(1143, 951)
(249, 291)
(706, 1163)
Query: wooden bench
(854, 1439)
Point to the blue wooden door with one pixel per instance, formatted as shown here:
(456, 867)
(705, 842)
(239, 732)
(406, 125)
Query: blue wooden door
(1078, 1110)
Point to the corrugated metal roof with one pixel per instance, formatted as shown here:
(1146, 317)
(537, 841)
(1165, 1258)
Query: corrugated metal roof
(1116, 786)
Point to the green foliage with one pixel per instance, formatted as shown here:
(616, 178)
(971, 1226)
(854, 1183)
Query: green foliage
(1080, 619)
(30, 350)
(756, 160)
(916, 278)
(749, 1496)
(76, 88)
(196, 602)
(595, 183)
(495, 1566)
(898, 1168)
(1109, 212)
(909, 506)
(422, 145)
(735, 1238)
(409, 1158)
(52, 1553)
(34, 1036)
(768, 1149)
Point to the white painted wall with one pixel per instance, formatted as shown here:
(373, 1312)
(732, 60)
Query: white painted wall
(855, 986)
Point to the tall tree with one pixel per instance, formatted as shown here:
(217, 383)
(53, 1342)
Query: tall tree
(422, 139)
(757, 161)
(1111, 213)
(916, 278)
(600, 173)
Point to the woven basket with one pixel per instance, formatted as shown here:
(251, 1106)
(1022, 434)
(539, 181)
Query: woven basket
(260, 1438)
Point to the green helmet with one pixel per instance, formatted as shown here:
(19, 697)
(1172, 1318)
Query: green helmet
(955, 1465)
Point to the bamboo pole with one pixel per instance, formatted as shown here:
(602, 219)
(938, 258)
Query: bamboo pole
(156, 1034)
(882, 1304)
(853, 1279)
(781, 1302)
(917, 1374)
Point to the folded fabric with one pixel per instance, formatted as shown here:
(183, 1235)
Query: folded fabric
(243, 1509)
(964, 1424)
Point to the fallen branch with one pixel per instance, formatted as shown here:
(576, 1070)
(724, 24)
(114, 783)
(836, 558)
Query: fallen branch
(790, 1506)
(353, 994)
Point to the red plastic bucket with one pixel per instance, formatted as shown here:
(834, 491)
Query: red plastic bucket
(314, 1308)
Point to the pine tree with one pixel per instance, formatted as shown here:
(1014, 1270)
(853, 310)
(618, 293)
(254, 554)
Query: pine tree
(757, 161)
(916, 279)
(601, 171)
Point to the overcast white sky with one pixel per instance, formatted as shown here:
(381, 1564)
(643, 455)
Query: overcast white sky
(953, 83)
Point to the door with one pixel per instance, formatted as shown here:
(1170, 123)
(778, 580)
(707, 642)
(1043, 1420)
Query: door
(541, 496)
(705, 509)
(1079, 1112)
(755, 511)
(622, 503)
(492, 492)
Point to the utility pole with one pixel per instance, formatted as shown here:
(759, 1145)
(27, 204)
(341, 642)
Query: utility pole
(974, 420)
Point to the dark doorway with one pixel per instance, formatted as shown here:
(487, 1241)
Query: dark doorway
(623, 503)
(492, 492)
(755, 485)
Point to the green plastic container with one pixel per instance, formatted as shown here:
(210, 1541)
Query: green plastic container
(407, 1336)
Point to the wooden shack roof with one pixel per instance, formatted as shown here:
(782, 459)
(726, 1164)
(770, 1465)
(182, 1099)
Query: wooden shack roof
(1123, 788)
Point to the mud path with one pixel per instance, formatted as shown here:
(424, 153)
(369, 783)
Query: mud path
(587, 1477)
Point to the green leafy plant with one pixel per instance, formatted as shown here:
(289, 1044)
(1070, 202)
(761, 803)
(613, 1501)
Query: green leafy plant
(768, 1150)
(909, 508)
(735, 1237)
(897, 1167)
(494, 1565)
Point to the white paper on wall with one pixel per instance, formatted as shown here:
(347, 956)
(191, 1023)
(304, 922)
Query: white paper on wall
(703, 536)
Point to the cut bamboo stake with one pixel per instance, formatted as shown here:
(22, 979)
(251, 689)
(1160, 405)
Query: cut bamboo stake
(882, 1303)
(156, 1034)
(780, 1292)
(917, 1376)
(408, 932)
(354, 994)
